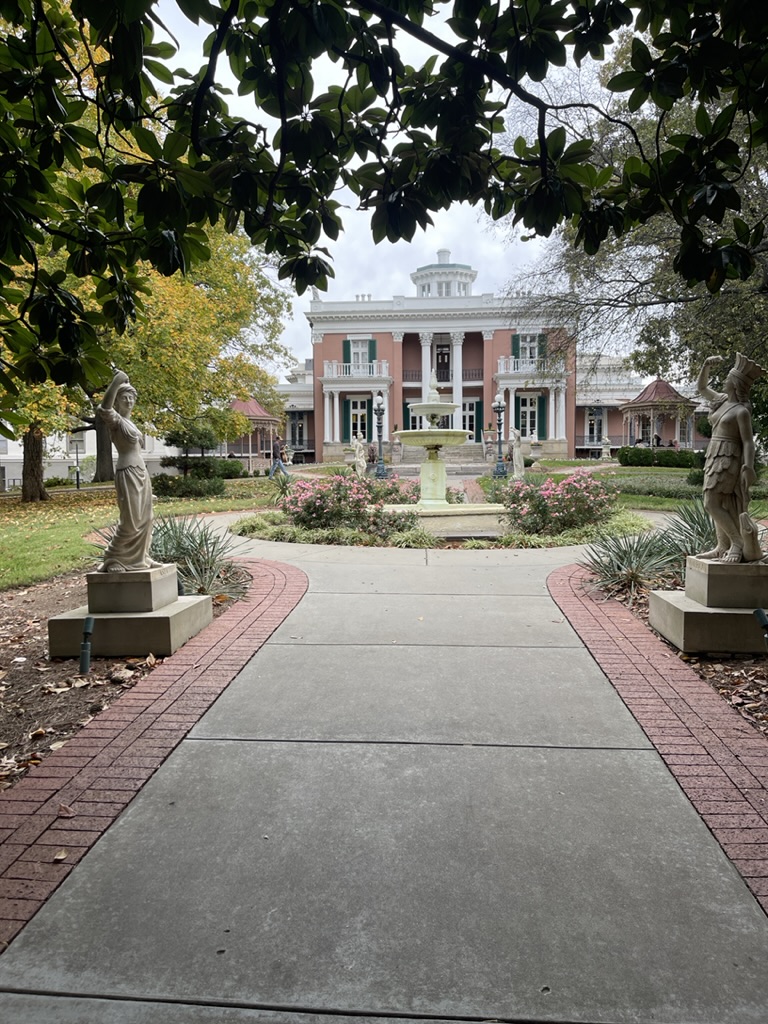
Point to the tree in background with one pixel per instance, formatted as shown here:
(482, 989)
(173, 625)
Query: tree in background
(406, 139)
(41, 410)
(201, 341)
(629, 297)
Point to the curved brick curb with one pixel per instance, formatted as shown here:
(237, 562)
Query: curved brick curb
(719, 760)
(68, 801)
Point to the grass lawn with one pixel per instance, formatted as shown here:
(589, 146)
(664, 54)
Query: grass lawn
(39, 540)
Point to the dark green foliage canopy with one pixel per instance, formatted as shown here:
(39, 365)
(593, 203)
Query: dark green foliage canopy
(113, 157)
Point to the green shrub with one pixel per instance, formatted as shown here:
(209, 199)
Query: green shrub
(669, 457)
(229, 469)
(695, 478)
(659, 484)
(165, 486)
(58, 481)
(551, 507)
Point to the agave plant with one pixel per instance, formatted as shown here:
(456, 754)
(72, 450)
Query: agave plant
(689, 530)
(631, 564)
(202, 556)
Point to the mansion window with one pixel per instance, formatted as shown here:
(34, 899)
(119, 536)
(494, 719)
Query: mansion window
(594, 423)
(529, 347)
(528, 423)
(358, 353)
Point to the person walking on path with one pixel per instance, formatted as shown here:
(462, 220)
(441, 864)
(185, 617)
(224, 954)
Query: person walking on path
(277, 458)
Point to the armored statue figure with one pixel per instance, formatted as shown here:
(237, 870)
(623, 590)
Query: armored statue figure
(128, 550)
(729, 468)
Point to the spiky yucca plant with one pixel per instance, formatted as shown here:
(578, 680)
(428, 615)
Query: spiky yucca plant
(631, 564)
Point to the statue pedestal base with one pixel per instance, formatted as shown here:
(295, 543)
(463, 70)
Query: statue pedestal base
(134, 614)
(714, 614)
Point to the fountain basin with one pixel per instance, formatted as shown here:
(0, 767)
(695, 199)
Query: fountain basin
(433, 439)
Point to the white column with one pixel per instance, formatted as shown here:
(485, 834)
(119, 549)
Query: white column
(561, 413)
(336, 419)
(327, 433)
(385, 420)
(512, 392)
(554, 395)
(457, 368)
(426, 362)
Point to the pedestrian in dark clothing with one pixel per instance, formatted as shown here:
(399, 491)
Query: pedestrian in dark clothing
(277, 458)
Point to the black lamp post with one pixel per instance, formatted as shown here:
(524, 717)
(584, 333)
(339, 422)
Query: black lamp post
(378, 408)
(500, 469)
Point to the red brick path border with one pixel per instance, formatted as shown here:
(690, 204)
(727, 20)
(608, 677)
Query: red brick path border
(719, 760)
(53, 816)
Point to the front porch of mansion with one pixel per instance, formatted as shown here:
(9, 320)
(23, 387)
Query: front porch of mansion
(532, 389)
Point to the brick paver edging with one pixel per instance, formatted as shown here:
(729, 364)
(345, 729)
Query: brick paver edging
(719, 760)
(53, 816)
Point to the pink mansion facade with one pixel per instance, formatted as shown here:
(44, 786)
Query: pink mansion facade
(478, 346)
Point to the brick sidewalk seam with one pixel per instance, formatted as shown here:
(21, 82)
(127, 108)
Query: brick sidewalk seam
(718, 758)
(51, 818)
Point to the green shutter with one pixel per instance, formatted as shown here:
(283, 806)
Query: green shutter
(406, 417)
(478, 420)
(541, 417)
(372, 350)
(369, 418)
(515, 346)
(346, 419)
(346, 352)
(517, 412)
(542, 346)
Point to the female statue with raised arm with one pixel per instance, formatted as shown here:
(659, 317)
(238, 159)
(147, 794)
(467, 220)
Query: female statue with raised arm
(729, 468)
(128, 550)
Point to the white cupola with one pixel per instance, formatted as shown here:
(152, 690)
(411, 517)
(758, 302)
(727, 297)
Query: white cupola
(444, 280)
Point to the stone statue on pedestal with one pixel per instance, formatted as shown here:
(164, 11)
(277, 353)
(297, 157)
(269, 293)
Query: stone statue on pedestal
(515, 450)
(128, 550)
(729, 469)
(361, 458)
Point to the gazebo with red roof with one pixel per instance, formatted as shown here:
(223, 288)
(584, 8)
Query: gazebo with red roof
(256, 447)
(660, 415)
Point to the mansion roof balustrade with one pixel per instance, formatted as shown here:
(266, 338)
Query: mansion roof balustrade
(376, 368)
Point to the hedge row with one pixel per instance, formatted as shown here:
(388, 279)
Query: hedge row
(683, 458)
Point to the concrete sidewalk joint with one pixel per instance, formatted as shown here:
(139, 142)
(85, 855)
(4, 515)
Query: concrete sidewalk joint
(719, 760)
(52, 817)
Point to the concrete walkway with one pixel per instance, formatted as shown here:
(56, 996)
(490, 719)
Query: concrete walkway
(421, 798)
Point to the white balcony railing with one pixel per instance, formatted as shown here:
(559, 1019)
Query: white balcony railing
(377, 368)
(509, 364)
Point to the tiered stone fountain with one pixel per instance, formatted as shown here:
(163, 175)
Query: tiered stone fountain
(435, 513)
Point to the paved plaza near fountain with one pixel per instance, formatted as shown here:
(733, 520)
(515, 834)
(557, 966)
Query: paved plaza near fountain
(419, 797)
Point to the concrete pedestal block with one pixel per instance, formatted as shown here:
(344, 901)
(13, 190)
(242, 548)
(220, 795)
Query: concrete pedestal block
(143, 591)
(130, 634)
(444, 520)
(433, 482)
(719, 585)
(694, 628)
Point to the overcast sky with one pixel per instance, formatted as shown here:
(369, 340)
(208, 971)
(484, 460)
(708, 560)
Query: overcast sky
(361, 267)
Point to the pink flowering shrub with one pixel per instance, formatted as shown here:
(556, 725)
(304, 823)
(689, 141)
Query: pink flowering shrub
(555, 507)
(346, 500)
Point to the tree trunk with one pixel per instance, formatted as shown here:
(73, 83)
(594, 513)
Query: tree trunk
(32, 486)
(105, 470)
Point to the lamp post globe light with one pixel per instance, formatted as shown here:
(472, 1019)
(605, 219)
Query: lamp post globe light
(499, 405)
(378, 408)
